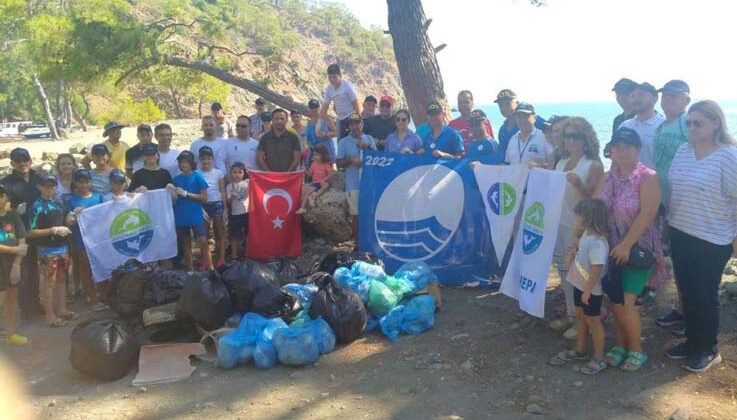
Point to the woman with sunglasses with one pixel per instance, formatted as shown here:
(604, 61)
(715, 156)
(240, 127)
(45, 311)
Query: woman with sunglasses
(404, 140)
(702, 216)
(580, 161)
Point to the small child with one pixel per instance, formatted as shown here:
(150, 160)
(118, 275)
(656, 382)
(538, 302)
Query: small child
(585, 273)
(118, 182)
(12, 250)
(320, 171)
(190, 190)
(100, 175)
(46, 222)
(214, 207)
(82, 197)
(237, 193)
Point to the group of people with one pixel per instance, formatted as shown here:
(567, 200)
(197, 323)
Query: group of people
(672, 187)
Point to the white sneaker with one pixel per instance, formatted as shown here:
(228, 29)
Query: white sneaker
(571, 333)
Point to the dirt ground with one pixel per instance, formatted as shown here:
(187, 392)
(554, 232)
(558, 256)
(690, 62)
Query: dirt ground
(483, 359)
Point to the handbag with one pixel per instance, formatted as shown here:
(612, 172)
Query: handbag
(640, 257)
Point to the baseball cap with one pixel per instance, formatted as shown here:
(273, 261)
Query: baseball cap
(145, 127)
(505, 95)
(624, 84)
(266, 116)
(216, 106)
(82, 174)
(676, 86)
(371, 98)
(627, 136)
(388, 99)
(313, 104)
(111, 125)
(186, 154)
(47, 177)
(260, 101)
(150, 149)
(353, 118)
(206, 151)
(434, 108)
(647, 87)
(525, 108)
(478, 116)
(116, 175)
(20, 153)
(100, 149)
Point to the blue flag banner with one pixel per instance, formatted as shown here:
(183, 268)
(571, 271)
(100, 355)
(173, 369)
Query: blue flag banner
(418, 208)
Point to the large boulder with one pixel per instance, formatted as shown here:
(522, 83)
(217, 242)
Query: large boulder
(5, 167)
(78, 149)
(329, 218)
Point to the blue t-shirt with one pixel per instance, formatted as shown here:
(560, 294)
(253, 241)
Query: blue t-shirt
(75, 201)
(482, 148)
(348, 148)
(313, 139)
(507, 130)
(46, 214)
(188, 212)
(449, 141)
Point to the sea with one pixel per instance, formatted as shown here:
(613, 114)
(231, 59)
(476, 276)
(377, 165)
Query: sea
(599, 114)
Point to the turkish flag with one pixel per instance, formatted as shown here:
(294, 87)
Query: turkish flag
(274, 227)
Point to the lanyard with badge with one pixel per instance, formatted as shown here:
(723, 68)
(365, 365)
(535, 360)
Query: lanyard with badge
(524, 149)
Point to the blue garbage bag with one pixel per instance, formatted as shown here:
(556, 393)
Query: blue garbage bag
(230, 348)
(296, 346)
(372, 323)
(323, 334)
(418, 273)
(391, 323)
(359, 284)
(303, 291)
(264, 354)
(303, 317)
(251, 326)
(415, 317)
(372, 271)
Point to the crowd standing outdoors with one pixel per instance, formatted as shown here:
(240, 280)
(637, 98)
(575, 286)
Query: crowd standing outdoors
(671, 189)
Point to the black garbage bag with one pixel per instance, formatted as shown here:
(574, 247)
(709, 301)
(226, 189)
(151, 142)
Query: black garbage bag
(245, 280)
(165, 286)
(340, 307)
(160, 324)
(335, 260)
(205, 300)
(273, 303)
(286, 269)
(126, 290)
(103, 348)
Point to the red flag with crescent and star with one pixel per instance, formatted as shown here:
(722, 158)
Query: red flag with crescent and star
(274, 227)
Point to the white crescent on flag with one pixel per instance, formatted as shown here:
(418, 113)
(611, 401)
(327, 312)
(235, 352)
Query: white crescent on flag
(276, 192)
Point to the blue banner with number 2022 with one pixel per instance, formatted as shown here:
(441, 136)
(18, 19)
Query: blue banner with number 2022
(419, 208)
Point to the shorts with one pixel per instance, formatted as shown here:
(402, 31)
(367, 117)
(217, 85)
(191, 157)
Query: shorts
(614, 284)
(238, 226)
(214, 209)
(6, 266)
(594, 306)
(185, 232)
(49, 266)
(634, 280)
(352, 199)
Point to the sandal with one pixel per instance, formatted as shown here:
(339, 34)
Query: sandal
(566, 356)
(69, 315)
(634, 361)
(593, 367)
(615, 356)
(58, 323)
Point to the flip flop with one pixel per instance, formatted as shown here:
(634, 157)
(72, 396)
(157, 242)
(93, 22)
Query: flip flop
(566, 356)
(58, 323)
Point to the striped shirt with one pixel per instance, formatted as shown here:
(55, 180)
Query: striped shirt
(703, 199)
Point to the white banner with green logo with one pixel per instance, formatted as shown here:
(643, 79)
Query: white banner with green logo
(141, 227)
(527, 275)
(501, 188)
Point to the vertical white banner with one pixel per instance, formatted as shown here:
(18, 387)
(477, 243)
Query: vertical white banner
(527, 275)
(501, 188)
(141, 227)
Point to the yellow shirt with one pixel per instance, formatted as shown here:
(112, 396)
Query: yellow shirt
(117, 154)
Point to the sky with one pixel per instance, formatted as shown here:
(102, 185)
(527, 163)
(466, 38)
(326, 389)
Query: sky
(574, 50)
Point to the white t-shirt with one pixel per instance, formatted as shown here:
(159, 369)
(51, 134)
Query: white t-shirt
(572, 194)
(213, 177)
(646, 130)
(533, 148)
(592, 250)
(240, 204)
(703, 199)
(342, 97)
(244, 151)
(168, 162)
(218, 150)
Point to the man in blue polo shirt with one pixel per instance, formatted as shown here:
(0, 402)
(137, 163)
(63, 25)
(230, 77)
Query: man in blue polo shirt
(507, 101)
(442, 141)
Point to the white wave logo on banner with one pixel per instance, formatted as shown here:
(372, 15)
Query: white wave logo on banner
(419, 212)
(527, 275)
(501, 189)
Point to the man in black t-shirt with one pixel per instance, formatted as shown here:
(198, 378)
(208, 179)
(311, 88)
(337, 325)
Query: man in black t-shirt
(380, 126)
(278, 149)
(151, 176)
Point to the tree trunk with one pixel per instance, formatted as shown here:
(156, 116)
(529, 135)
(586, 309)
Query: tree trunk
(419, 72)
(177, 105)
(79, 119)
(68, 112)
(46, 107)
(60, 102)
(249, 85)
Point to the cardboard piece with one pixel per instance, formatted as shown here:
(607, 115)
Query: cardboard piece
(165, 363)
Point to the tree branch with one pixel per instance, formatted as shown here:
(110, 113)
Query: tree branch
(440, 47)
(426, 25)
(228, 50)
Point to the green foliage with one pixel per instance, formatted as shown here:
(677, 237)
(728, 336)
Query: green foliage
(129, 111)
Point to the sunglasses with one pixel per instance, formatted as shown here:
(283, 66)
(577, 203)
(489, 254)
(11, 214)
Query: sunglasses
(694, 123)
(242, 125)
(573, 136)
(402, 119)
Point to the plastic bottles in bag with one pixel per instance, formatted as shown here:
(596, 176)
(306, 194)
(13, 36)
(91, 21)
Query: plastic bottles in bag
(418, 273)
(381, 299)
(323, 334)
(296, 346)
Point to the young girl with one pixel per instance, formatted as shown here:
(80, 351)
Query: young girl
(237, 193)
(117, 186)
(101, 174)
(65, 166)
(12, 250)
(585, 273)
(214, 206)
(46, 222)
(190, 190)
(320, 171)
(82, 198)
